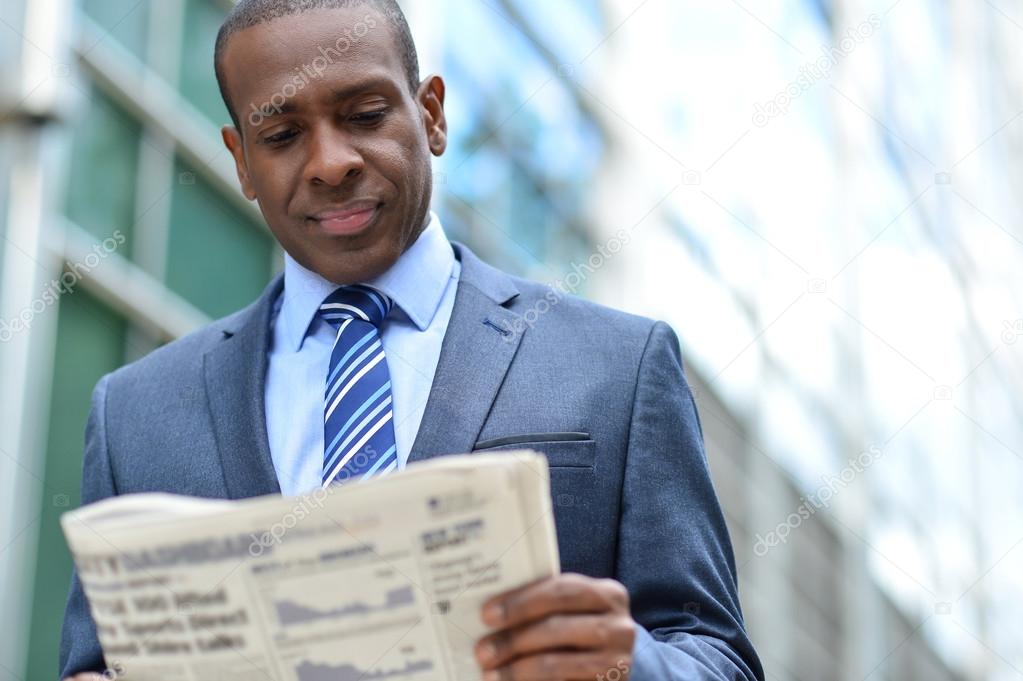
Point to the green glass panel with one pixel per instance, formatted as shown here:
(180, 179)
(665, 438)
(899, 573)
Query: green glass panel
(198, 82)
(104, 162)
(218, 258)
(126, 22)
(90, 343)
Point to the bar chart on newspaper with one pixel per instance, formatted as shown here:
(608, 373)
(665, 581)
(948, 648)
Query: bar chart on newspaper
(359, 596)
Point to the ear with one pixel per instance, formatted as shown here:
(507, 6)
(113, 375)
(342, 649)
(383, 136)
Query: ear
(431, 100)
(233, 142)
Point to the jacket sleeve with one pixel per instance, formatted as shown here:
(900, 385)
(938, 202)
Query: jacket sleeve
(79, 646)
(674, 554)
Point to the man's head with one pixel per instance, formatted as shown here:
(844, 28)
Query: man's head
(333, 132)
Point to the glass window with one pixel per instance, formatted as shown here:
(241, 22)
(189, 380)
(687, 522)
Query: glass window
(90, 343)
(126, 22)
(522, 150)
(217, 258)
(102, 172)
(197, 81)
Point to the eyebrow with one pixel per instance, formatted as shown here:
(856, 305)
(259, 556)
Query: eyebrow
(341, 95)
(336, 96)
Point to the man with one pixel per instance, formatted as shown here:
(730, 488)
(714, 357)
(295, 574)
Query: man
(417, 344)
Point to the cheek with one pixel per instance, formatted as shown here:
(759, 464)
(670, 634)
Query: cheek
(404, 145)
(403, 164)
(272, 185)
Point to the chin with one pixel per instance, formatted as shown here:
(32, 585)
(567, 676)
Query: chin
(352, 259)
(356, 265)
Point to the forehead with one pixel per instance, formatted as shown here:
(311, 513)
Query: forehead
(323, 49)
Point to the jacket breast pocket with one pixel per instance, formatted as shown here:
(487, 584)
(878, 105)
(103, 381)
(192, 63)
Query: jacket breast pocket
(580, 502)
(563, 450)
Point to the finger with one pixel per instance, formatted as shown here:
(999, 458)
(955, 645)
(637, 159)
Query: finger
(579, 632)
(553, 666)
(569, 593)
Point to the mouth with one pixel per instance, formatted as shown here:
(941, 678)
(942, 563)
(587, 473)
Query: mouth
(349, 219)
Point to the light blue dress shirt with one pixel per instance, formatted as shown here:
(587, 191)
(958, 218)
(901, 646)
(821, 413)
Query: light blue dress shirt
(422, 284)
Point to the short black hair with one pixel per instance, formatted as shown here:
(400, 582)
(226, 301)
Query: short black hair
(248, 13)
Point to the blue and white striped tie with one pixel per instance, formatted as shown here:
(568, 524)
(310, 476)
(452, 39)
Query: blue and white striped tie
(358, 431)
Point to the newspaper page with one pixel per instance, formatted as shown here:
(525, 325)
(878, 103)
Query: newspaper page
(358, 582)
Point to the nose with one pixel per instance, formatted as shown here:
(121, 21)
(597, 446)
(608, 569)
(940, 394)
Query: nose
(332, 158)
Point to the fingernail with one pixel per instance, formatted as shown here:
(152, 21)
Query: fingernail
(494, 613)
(487, 653)
(492, 675)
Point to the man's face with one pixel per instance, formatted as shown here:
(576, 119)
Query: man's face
(342, 174)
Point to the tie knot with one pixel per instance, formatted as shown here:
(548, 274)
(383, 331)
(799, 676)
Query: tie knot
(355, 302)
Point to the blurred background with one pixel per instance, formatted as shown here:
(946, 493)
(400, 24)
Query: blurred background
(818, 195)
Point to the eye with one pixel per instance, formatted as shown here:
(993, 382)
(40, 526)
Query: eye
(369, 118)
(279, 138)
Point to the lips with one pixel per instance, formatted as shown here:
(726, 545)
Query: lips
(348, 219)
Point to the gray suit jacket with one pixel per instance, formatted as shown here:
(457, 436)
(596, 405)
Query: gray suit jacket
(600, 392)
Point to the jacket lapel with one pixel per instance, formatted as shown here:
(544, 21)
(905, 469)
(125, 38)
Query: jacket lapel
(478, 348)
(235, 372)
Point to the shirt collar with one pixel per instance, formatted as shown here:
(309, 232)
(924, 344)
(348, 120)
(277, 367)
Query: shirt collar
(416, 284)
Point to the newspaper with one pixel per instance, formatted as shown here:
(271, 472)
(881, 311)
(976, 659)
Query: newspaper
(364, 581)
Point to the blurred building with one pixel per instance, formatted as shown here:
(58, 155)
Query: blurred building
(807, 207)
(820, 197)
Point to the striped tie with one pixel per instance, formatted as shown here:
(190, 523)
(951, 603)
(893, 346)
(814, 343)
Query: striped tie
(358, 434)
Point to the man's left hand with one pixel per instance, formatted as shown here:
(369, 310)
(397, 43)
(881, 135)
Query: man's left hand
(560, 628)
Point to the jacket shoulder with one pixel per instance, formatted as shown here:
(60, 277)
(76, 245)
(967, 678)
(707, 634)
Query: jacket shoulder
(537, 301)
(551, 311)
(171, 359)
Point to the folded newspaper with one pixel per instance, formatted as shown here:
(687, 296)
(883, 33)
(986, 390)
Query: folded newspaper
(365, 581)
